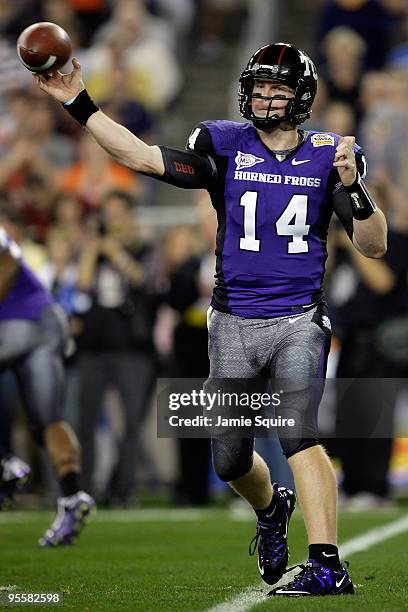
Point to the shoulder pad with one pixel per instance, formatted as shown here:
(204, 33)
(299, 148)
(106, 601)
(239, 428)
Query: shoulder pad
(224, 135)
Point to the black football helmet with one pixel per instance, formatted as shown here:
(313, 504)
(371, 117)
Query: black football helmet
(286, 64)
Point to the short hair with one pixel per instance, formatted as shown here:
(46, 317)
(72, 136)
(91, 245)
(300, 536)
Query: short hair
(127, 199)
(343, 34)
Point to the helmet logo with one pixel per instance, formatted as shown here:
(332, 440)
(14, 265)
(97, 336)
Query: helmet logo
(247, 160)
(310, 68)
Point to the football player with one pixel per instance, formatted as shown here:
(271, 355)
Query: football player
(274, 187)
(33, 336)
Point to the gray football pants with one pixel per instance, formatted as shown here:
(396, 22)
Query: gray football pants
(33, 350)
(288, 348)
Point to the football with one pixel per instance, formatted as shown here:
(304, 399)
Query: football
(44, 46)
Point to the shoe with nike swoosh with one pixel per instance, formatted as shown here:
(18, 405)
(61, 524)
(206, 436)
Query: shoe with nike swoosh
(272, 537)
(316, 579)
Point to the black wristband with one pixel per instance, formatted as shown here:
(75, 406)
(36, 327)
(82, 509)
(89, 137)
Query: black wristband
(362, 205)
(82, 107)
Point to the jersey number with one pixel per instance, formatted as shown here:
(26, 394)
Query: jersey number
(292, 222)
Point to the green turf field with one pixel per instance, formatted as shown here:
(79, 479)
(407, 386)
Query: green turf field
(136, 560)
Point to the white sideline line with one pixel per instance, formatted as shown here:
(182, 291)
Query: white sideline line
(251, 596)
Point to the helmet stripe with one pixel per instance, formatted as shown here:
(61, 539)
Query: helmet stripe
(281, 55)
(262, 52)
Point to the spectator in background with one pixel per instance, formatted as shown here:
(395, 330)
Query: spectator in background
(339, 118)
(29, 182)
(178, 13)
(365, 315)
(374, 20)
(122, 108)
(398, 56)
(115, 346)
(316, 120)
(91, 14)
(61, 12)
(59, 273)
(12, 74)
(95, 175)
(32, 154)
(344, 52)
(68, 218)
(56, 149)
(384, 131)
(34, 254)
(15, 16)
(154, 76)
(211, 26)
(191, 285)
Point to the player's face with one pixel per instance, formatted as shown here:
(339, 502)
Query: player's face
(262, 93)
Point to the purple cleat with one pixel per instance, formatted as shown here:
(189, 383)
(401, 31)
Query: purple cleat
(14, 475)
(73, 512)
(272, 537)
(316, 579)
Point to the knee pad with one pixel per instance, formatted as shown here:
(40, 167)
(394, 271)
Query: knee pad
(291, 446)
(232, 458)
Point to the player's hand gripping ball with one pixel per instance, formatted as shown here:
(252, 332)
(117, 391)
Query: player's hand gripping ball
(44, 47)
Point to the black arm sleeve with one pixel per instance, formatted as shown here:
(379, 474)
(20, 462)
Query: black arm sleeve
(195, 168)
(188, 169)
(343, 204)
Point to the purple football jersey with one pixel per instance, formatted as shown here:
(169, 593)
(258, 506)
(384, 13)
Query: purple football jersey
(27, 298)
(273, 220)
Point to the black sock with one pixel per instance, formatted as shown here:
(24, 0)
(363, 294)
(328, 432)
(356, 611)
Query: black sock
(70, 484)
(325, 554)
(270, 511)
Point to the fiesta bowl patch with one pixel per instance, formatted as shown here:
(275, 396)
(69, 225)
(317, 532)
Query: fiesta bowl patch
(322, 140)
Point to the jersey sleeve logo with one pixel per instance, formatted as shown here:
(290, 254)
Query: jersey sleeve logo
(322, 140)
(247, 160)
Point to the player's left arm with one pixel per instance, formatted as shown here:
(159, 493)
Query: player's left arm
(369, 227)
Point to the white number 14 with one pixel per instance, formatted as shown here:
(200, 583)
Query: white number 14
(292, 222)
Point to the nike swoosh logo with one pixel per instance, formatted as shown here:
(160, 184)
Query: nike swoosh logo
(261, 569)
(331, 554)
(270, 514)
(293, 320)
(296, 162)
(340, 582)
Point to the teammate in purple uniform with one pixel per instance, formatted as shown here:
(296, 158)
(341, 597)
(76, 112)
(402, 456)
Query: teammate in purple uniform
(274, 188)
(33, 334)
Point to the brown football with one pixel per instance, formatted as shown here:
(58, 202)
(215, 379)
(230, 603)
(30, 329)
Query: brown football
(43, 47)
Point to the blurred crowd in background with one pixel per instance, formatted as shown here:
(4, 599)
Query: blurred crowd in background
(133, 267)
